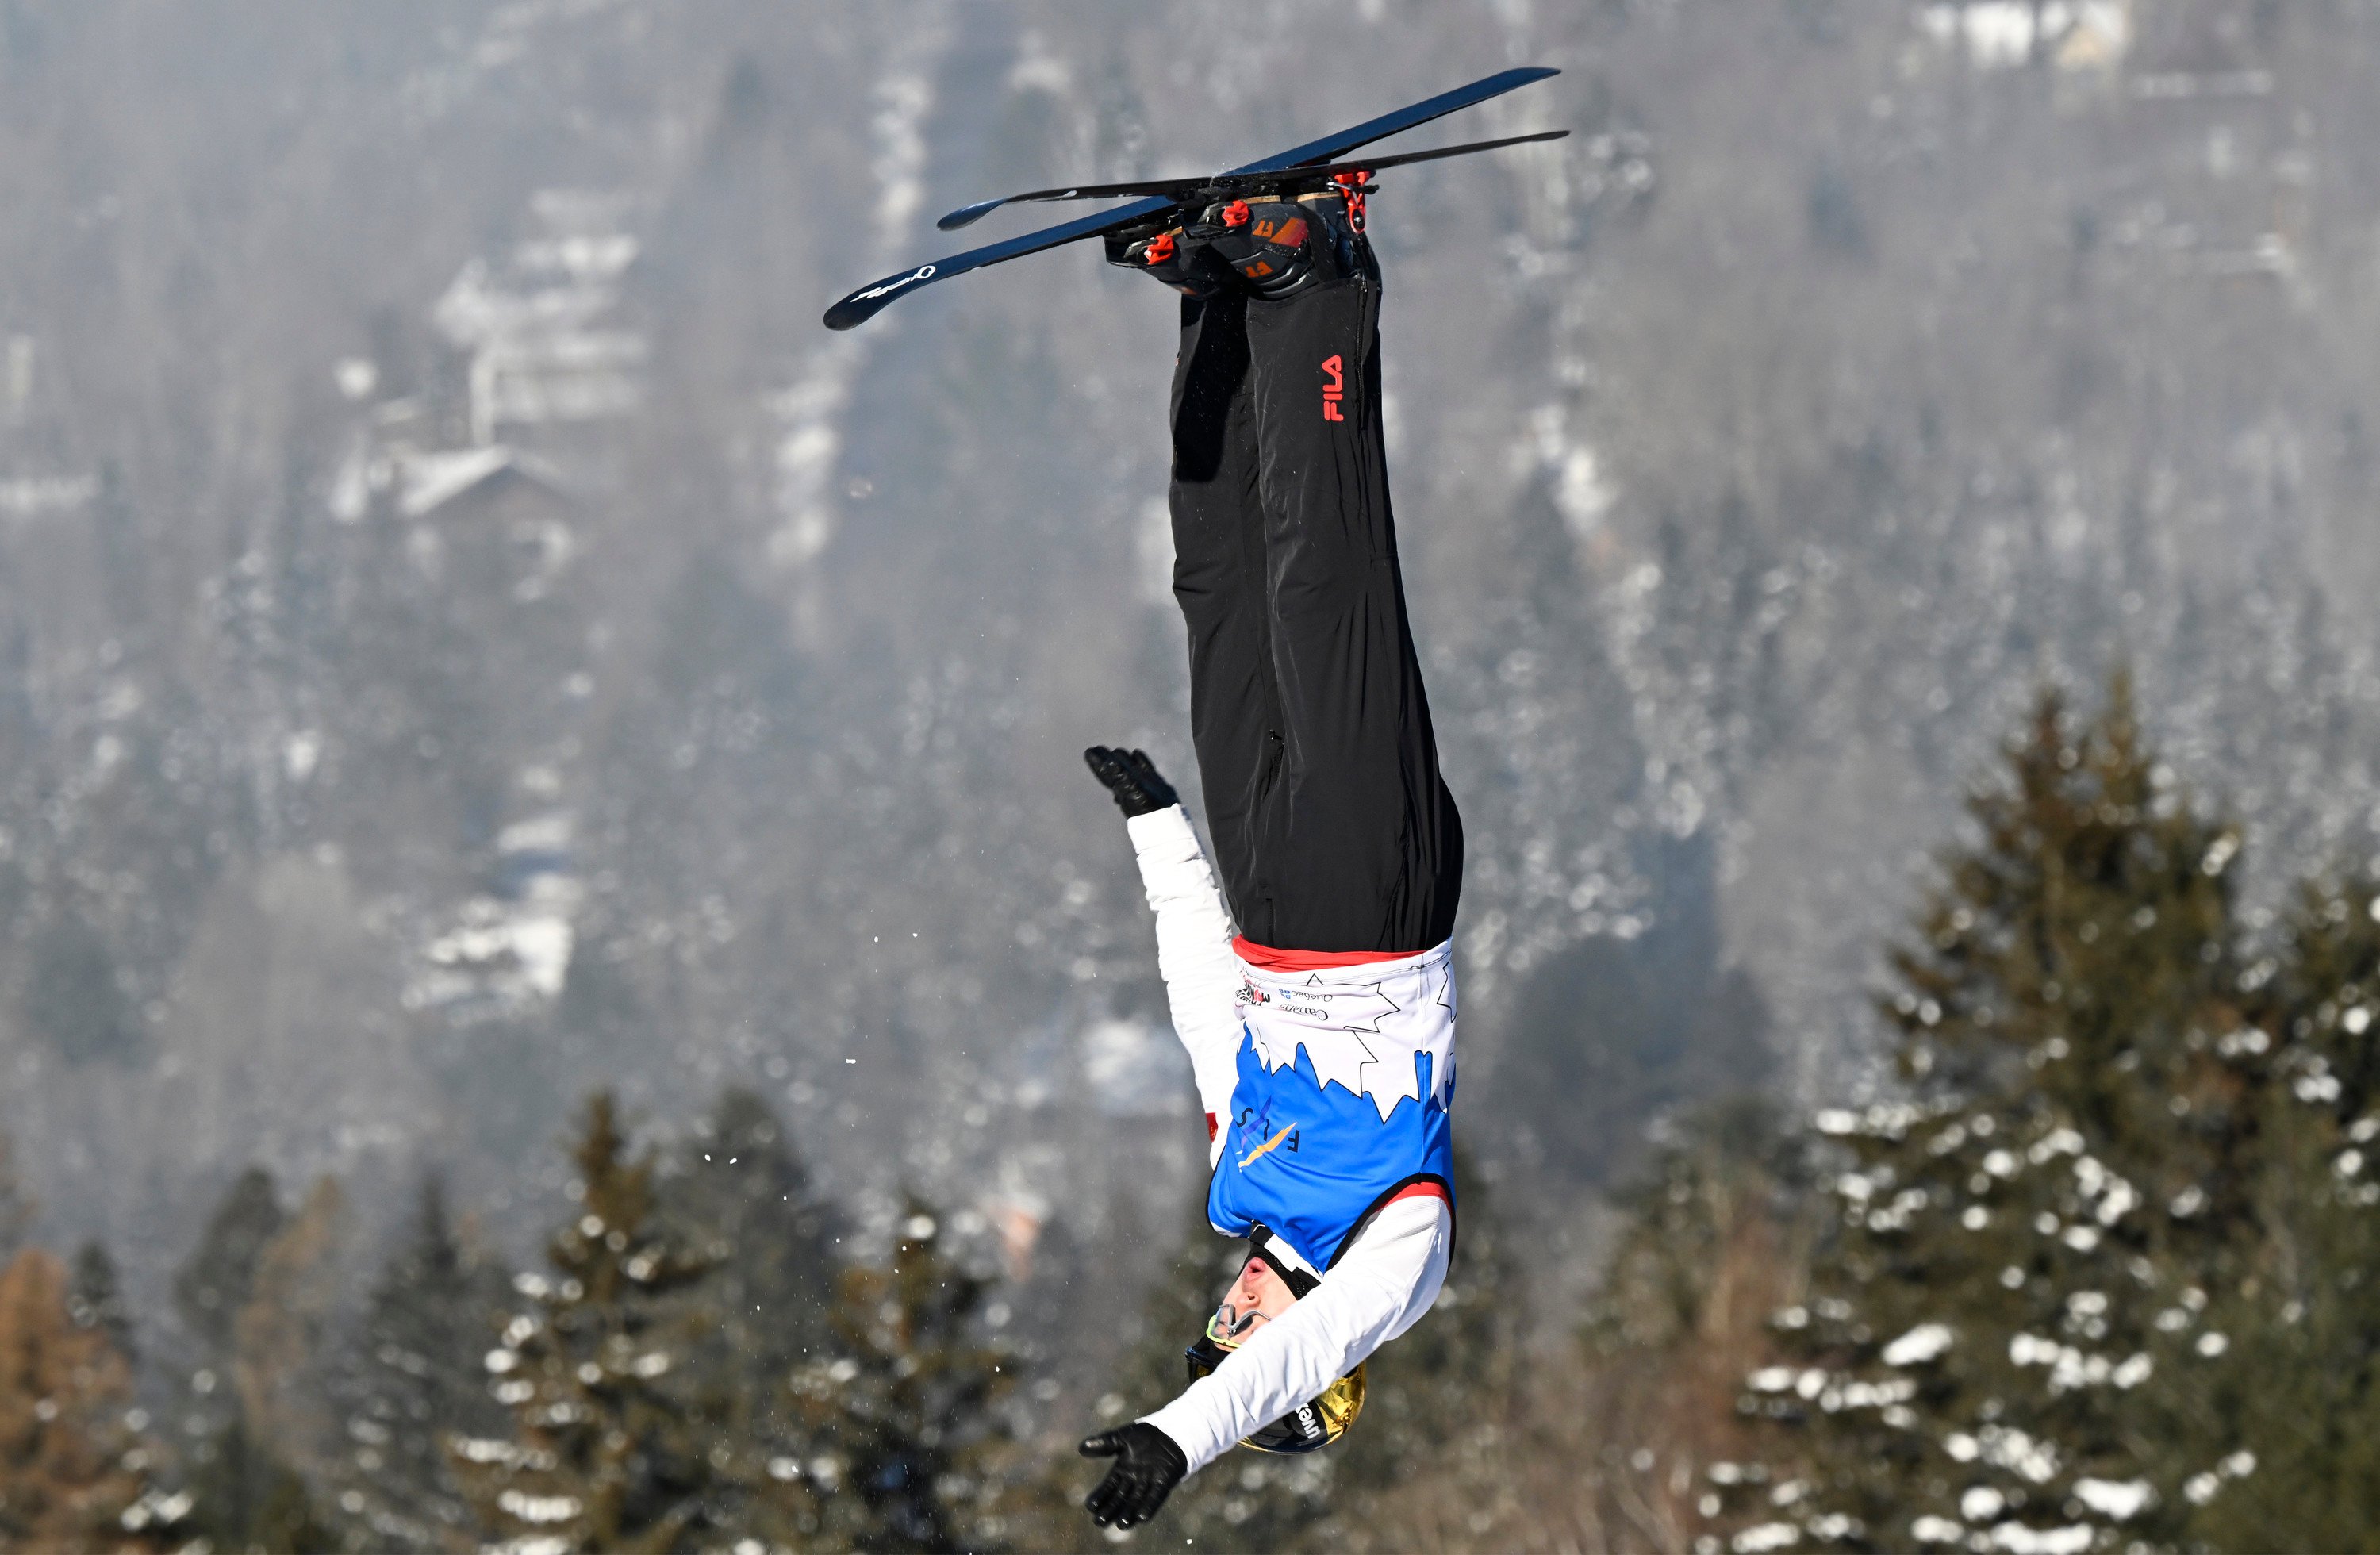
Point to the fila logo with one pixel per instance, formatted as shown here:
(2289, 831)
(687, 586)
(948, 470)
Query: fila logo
(1333, 389)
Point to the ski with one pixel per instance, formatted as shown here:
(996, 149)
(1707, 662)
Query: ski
(877, 296)
(1289, 180)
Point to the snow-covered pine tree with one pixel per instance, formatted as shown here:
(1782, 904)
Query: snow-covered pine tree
(213, 1287)
(245, 1496)
(281, 1338)
(2021, 1327)
(910, 1448)
(2309, 1335)
(1711, 1238)
(95, 1299)
(740, 1196)
(75, 1473)
(612, 1450)
(741, 1200)
(413, 1377)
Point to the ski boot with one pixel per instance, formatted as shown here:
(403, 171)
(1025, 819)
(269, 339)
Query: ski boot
(1280, 248)
(1176, 255)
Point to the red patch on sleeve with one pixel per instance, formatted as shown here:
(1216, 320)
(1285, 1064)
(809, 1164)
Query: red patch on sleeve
(1211, 1128)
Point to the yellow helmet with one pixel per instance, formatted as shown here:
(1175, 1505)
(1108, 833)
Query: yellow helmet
(1313, 1425)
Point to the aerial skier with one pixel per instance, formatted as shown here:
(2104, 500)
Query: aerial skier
(1318, 1005)
(1321, 1028)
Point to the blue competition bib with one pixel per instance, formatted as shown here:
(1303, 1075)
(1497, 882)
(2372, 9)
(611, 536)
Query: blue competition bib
(1312, 1159)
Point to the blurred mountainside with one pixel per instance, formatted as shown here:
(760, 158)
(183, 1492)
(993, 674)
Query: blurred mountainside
(471, 635)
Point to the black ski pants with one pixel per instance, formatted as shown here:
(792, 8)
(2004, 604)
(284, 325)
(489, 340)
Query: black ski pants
(1333, 829)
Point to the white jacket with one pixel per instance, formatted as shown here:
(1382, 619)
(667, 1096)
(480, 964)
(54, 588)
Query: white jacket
(1378, 1287)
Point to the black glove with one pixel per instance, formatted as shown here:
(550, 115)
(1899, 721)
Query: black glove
(1147, 1465)
(1133, 778)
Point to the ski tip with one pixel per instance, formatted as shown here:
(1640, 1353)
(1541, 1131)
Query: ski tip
(967, 213)
(872, 299)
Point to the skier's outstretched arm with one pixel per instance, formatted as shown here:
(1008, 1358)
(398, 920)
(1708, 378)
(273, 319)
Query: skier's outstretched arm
(1194, 930)
(1383, 1285)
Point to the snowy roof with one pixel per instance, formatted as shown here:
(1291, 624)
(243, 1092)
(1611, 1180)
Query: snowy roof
(432, 481)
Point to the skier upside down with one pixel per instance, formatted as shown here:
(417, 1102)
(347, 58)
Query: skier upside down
(1322, 1032)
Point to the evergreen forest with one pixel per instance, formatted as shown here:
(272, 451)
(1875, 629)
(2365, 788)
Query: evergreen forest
(2087, 1267)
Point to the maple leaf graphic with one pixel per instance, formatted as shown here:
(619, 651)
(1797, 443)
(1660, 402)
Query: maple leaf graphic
(1367, 1037)
(1359, 1037)
(1339, 1056)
